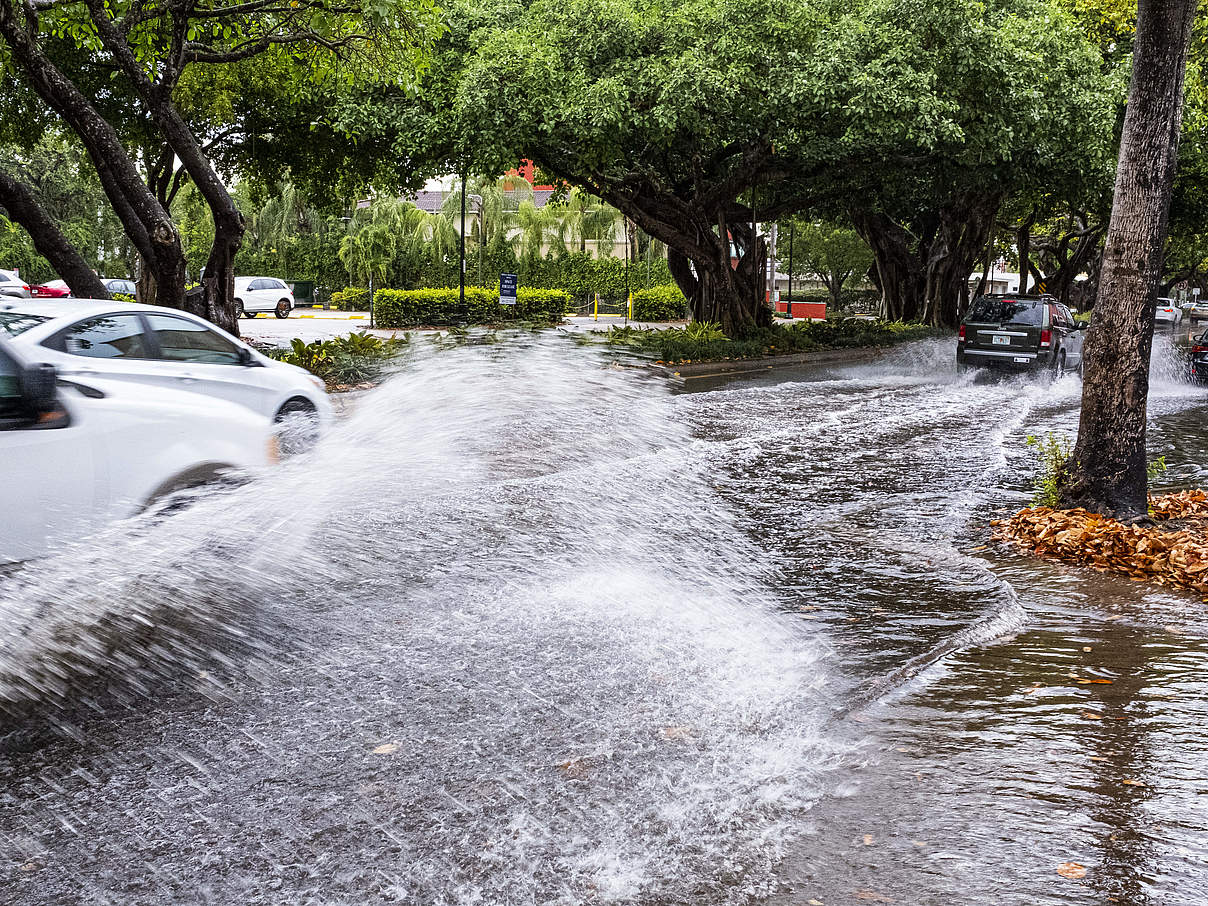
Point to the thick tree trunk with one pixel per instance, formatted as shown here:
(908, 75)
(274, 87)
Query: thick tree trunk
(899, 276)
(698, 255)
(216, 301)
(1107, 471)
(964, 228)
(22, 207)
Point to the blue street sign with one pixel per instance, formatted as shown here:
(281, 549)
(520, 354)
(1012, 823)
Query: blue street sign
(507, 289)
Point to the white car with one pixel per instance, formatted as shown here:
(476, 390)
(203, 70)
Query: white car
(262, 294)
(1168, 312)
(168, 348)
(79, 454)
(1199, 311)
(11, 284)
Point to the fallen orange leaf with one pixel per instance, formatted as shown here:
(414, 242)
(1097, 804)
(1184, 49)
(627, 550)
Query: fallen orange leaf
(1071, 870)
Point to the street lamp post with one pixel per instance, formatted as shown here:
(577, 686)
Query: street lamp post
(789, 304)
(477, 199)
(462, 231)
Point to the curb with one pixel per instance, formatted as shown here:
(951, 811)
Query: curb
(852, 355)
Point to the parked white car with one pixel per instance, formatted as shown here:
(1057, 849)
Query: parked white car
(262, 294)
(169, 348)
(11, 284)
(1199, 311)
(1168, 312)
(79, 454)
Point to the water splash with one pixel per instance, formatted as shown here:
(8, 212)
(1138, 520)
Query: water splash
(513, 648)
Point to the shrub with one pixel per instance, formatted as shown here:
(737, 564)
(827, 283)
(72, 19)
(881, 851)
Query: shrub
(706, 343)
(351, 359)
(441, 307)
(660, 303)
(351, 298)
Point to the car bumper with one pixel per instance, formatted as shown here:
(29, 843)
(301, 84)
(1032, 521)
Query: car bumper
(1002, 361)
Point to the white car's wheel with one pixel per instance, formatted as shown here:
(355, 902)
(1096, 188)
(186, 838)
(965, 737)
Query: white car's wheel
(297, 426)
(283, 309)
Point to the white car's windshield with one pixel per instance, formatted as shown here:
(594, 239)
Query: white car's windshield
(15, 322)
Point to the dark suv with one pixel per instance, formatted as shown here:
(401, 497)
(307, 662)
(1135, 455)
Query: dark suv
(1020, 333)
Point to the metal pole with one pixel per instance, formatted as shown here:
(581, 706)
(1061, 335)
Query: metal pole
(371, 300)
(789, 304)
(625, 221)
(461, 281)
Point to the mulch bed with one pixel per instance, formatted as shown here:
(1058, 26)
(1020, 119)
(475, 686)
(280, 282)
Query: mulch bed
(1174, 552)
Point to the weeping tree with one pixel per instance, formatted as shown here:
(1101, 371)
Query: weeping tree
(1107, 470)
(150, 48)
(378, 236)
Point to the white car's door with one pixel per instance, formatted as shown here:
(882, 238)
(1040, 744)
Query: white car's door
(49, 492)
(266, 294)
(204, 361)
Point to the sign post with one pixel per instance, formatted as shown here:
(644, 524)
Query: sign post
(507, 289)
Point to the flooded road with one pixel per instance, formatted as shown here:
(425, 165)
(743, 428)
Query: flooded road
(527, 629)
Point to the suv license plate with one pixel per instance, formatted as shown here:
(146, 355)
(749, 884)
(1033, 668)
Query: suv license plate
(1001, 341)
(1021, 360)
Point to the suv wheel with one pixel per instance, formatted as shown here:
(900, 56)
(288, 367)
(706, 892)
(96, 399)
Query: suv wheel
(283, 309)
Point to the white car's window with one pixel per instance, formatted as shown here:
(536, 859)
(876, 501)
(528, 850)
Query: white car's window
(3, 277)
(182, 340)
(114, 336)
(10, 387)
(279, 285)
(15, 322)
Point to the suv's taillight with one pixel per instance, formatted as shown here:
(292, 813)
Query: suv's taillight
(961, 336)
(1046, 337)
(1198, 348)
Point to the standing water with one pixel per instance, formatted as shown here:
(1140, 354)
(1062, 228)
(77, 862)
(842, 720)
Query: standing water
(530, 629)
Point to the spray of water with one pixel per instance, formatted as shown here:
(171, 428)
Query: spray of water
(520, 652)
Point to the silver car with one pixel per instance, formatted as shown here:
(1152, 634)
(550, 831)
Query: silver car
(11, 284)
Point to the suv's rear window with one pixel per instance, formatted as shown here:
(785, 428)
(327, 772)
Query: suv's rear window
(14, 322)
(1019, 312)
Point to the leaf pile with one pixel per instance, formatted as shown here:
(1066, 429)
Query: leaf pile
(1143, 553)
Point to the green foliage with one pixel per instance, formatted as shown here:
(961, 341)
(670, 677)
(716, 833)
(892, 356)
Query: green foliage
(1155, 469)
(828, 252)
(702, 342)
(1052, 452)
(440, 307)
(351, 359)
(660, 303)
(351, 298)
(70, 192)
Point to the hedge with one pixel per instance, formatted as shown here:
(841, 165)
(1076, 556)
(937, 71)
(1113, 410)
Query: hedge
(438, 307)
(660, 303)
(351, 298)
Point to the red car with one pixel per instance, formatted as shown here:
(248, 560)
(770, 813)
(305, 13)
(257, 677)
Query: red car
(54, 289)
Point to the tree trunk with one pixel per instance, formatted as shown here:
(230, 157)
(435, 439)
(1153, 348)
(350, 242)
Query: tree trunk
(216, 301)
(23, 208)
(963, 228)
(1023, 238)
(1107, 471)
(898, 275)
(698, 255)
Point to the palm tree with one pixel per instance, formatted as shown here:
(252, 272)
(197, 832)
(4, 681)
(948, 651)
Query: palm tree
(379, 235)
